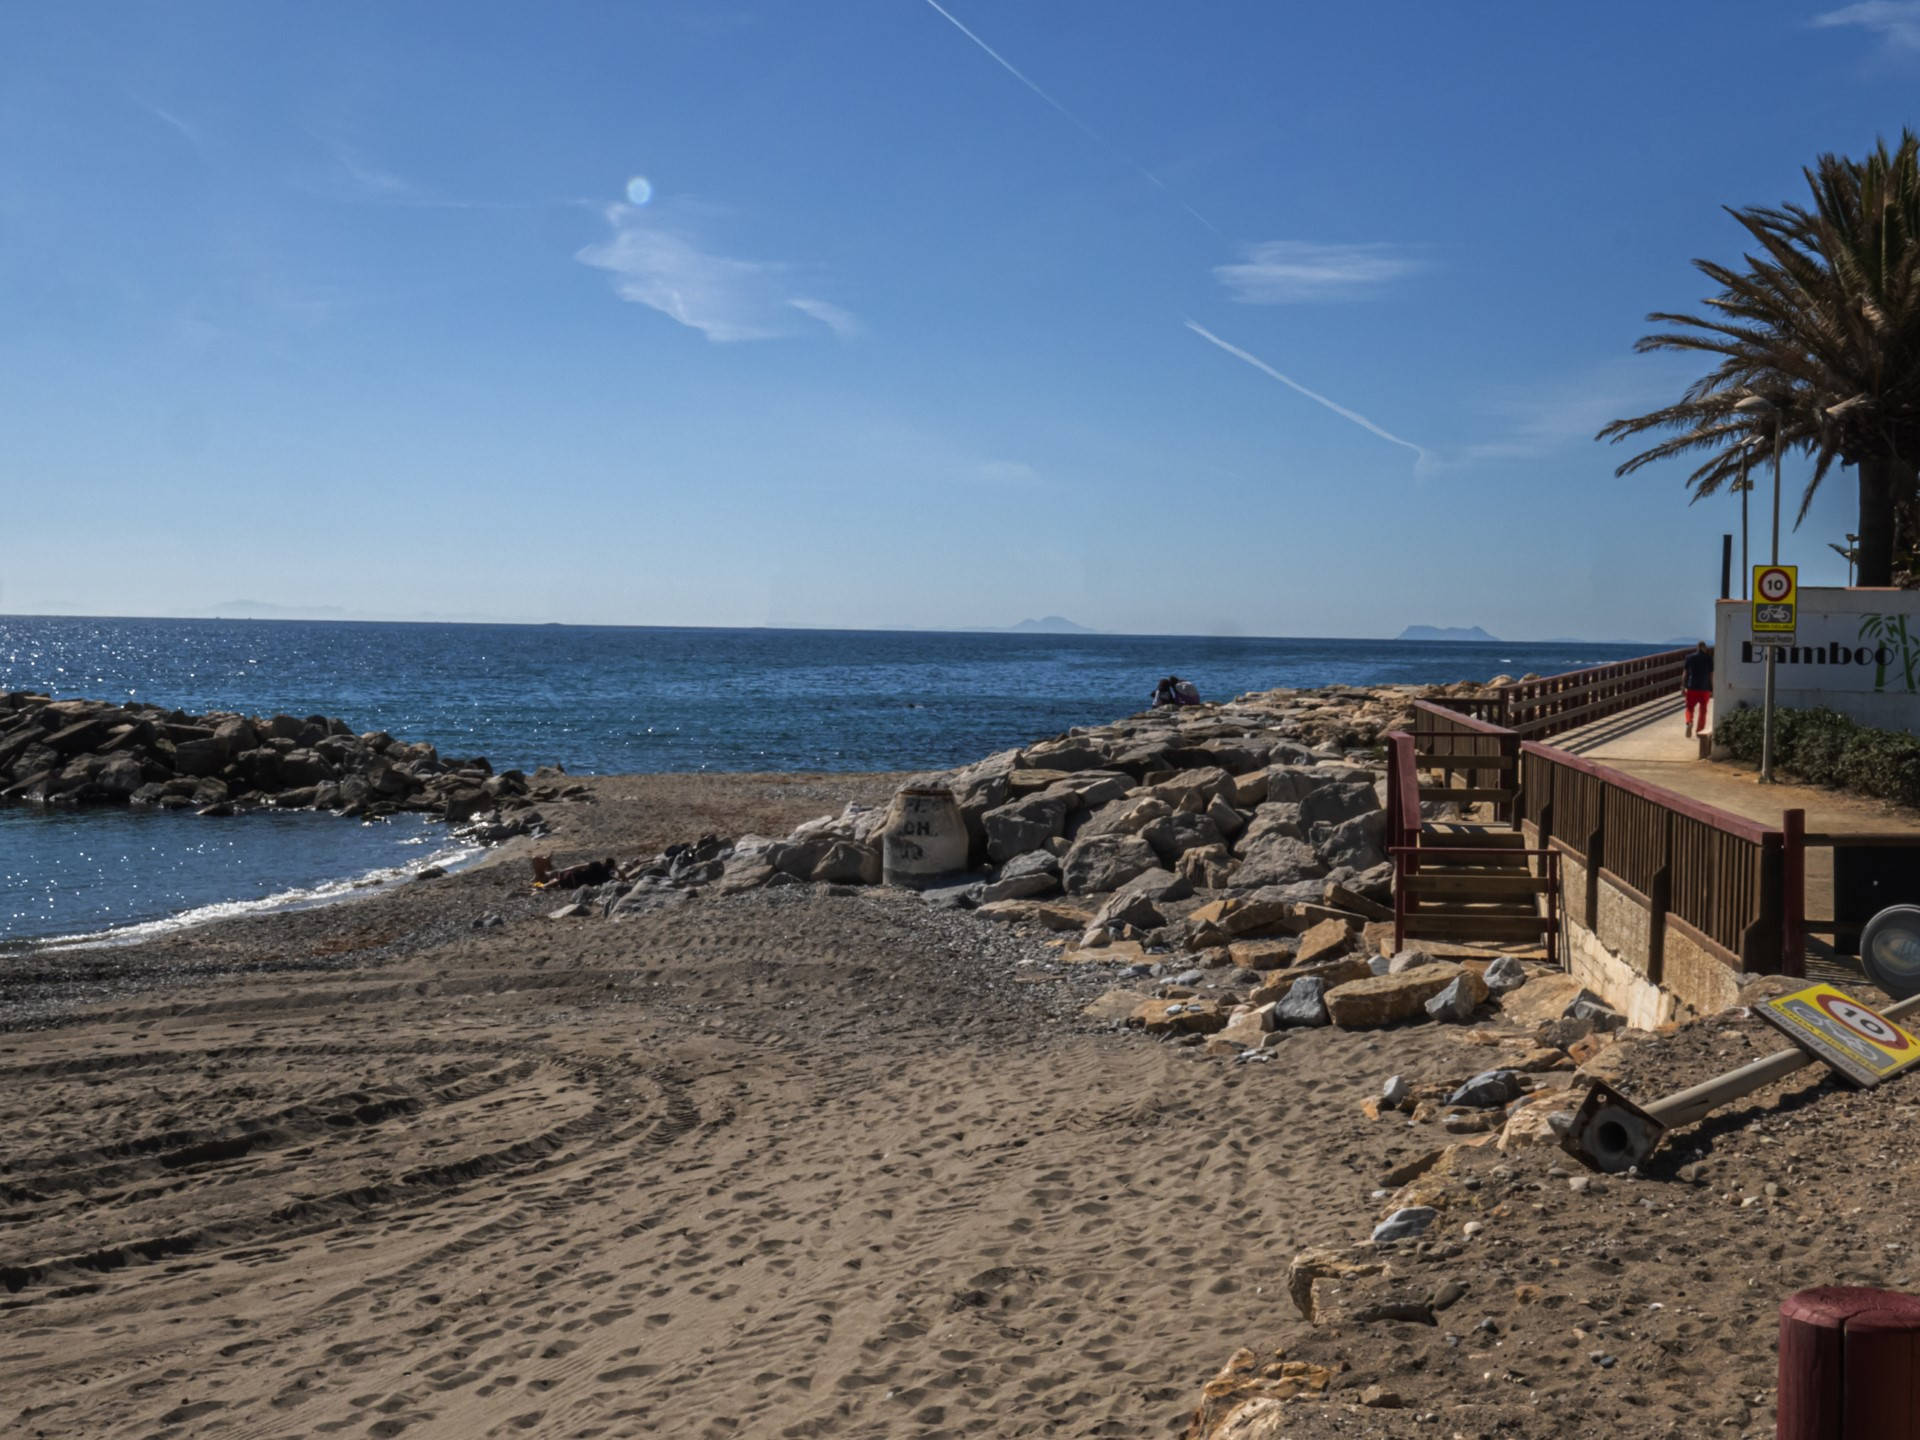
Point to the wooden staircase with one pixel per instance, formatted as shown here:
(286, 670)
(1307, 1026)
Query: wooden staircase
(1468, 882)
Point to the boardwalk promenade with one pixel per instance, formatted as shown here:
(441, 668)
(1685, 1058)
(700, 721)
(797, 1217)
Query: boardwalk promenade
(1651, 743)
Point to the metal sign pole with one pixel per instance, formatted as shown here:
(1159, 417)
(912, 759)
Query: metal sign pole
(1766, 721)
(1776, 609)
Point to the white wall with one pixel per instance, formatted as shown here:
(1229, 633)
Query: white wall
(1856, 651)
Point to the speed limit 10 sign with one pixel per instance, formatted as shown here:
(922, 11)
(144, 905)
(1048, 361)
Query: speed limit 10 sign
(1776, 593)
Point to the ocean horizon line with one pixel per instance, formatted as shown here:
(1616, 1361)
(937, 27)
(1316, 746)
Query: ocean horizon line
(1012, 631)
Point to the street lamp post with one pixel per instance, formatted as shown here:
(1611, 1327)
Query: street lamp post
(1746, 485)
(1755, 404)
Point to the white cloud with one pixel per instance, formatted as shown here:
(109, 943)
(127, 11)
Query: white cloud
(655, 262)
(842, 322)
(1284, 272)
(1896, 22)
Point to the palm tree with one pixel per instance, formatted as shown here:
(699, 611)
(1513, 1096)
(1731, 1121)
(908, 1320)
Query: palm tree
(1823, 324)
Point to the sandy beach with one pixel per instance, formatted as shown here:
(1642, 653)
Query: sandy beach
(811, 1162)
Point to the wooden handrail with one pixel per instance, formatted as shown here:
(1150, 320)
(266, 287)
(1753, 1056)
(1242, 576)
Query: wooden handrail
(1460, 717)
(1618, 667)
(1752, 831)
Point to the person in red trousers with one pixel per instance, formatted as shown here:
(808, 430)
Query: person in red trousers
(1697, 681)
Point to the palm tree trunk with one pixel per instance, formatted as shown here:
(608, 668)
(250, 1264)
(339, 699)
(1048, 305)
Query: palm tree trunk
(1881, 479)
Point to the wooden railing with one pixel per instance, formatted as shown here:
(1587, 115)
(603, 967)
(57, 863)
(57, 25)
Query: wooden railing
(1537, 709)
(1449, 742)
(1734, 887)
(1731, 887)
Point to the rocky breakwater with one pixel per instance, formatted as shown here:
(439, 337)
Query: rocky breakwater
(74, 753)
(1216, 835)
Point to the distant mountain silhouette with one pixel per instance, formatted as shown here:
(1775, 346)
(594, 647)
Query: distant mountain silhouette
(1053, 625)
(1448, 632)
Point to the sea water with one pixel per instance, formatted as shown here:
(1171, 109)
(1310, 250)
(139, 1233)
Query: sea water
(596, 700)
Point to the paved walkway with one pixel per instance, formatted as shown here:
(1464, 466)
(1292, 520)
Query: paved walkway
(1651, 743)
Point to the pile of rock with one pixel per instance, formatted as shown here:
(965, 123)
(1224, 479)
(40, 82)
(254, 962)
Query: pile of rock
(71, 753)
(1113, 830)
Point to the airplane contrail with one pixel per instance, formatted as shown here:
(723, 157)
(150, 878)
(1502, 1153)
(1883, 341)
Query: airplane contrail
(1426, 456)
(1074, 120)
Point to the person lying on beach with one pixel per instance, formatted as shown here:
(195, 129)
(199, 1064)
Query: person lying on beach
(591, 872)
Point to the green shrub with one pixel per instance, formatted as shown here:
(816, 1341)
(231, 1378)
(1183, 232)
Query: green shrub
(1884, 764)
(1739, 731)
(1824, 747)
(1819, 737)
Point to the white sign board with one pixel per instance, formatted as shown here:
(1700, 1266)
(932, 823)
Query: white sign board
(1855, 651)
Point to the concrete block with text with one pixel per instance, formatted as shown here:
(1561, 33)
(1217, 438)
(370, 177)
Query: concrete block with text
(1855, 651)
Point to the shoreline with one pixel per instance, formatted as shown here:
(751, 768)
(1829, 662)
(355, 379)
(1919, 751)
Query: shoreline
(41, 978)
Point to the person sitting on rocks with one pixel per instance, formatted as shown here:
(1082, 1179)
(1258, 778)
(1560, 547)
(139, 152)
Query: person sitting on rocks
(1163, 693)
(1184, 692)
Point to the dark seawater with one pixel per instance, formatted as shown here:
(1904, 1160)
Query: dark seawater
(598, 700)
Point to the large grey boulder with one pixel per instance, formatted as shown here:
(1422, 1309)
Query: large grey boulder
(1277, 859)
(199, 757)
(1161, 885)
(1359, 843)
(306, 767)
(1023, 825)
(1505, 974)
(1125, 908)
(462, 804)
(1091, 789)
(1071, 753)
(1124, 817)
(1140, 758)
(1194, 789)
(120, 776)
(1227, 820)
(1304, 1004)
(1139, 902)
(236, 732)
(847, 862)
(1237, 757)
(1488, 1089)
(1275, 817)
(1210, 867)
(1295, 782)
(1024, 877)
(1171, 836)
(797, 857)
(1105, 862)
(1334, 804)
(1455, 1004)
(261, 767)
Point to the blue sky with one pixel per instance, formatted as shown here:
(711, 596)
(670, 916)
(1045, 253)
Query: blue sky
(930, 317)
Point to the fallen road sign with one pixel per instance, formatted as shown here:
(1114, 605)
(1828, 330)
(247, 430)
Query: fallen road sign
(1830, 1025)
